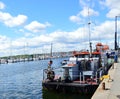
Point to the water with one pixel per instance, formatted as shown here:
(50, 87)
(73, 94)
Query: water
(24, 81)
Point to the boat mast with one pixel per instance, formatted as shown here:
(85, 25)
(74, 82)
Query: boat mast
(51, 52)
(90, 44)
(50, 62)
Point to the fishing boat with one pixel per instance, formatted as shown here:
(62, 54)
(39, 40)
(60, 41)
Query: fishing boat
(81, 73)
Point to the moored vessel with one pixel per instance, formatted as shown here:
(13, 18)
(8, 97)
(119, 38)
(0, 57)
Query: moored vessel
(81, 73)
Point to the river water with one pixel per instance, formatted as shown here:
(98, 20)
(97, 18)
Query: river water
(24, 81)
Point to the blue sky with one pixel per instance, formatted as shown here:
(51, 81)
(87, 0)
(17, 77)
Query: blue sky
(30, 26)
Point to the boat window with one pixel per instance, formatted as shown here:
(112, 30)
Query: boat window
(83, 56)
(80, 56)
(95, 55)
(86, 56)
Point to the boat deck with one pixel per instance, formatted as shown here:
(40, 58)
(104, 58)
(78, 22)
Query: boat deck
(112, 88)
(69, 84)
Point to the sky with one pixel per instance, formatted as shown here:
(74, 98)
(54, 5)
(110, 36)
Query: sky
(31, 26)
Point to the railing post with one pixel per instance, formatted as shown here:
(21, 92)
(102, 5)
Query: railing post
(83, 78)
(96, 77)
(43, 74)
(80, 77)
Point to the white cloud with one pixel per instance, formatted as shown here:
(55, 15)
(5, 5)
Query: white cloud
(36, 26)
(104, 31)
(83, 3)
(113, 3)
(75, 19)
(44, 38)
(114, 8)
(5, 16)
(29, 34)
(62, 40)
(11, 21)
(4, 42)
(2, 5)
(85, 11)
(16, 21)
(113, 12)
(87, 3)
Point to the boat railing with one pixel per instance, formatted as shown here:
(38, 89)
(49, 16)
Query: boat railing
(57, 71)
(93, 77)
(59, 74)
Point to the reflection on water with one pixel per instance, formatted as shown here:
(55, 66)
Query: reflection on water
(24, 81)
(56, 95)
(20, 81)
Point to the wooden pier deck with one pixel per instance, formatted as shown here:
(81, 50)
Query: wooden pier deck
(112, 87)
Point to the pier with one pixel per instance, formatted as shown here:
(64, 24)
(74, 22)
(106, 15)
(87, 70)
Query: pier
(110, 86)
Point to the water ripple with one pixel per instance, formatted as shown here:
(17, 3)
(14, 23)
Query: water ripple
(23, 80)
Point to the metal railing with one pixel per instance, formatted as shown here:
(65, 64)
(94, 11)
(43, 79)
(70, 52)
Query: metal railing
(81, 75)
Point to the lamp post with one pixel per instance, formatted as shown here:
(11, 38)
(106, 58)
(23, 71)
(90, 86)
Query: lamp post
(118, 42)
(116, 45)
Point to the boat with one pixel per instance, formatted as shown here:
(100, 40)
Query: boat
(81, 74)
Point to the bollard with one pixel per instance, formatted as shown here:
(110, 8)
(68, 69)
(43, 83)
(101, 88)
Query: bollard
(103, 86)
(113, 65)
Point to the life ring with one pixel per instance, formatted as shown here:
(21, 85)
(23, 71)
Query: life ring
(50, 75)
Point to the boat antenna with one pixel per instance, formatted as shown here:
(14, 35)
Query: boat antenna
(90, 44)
